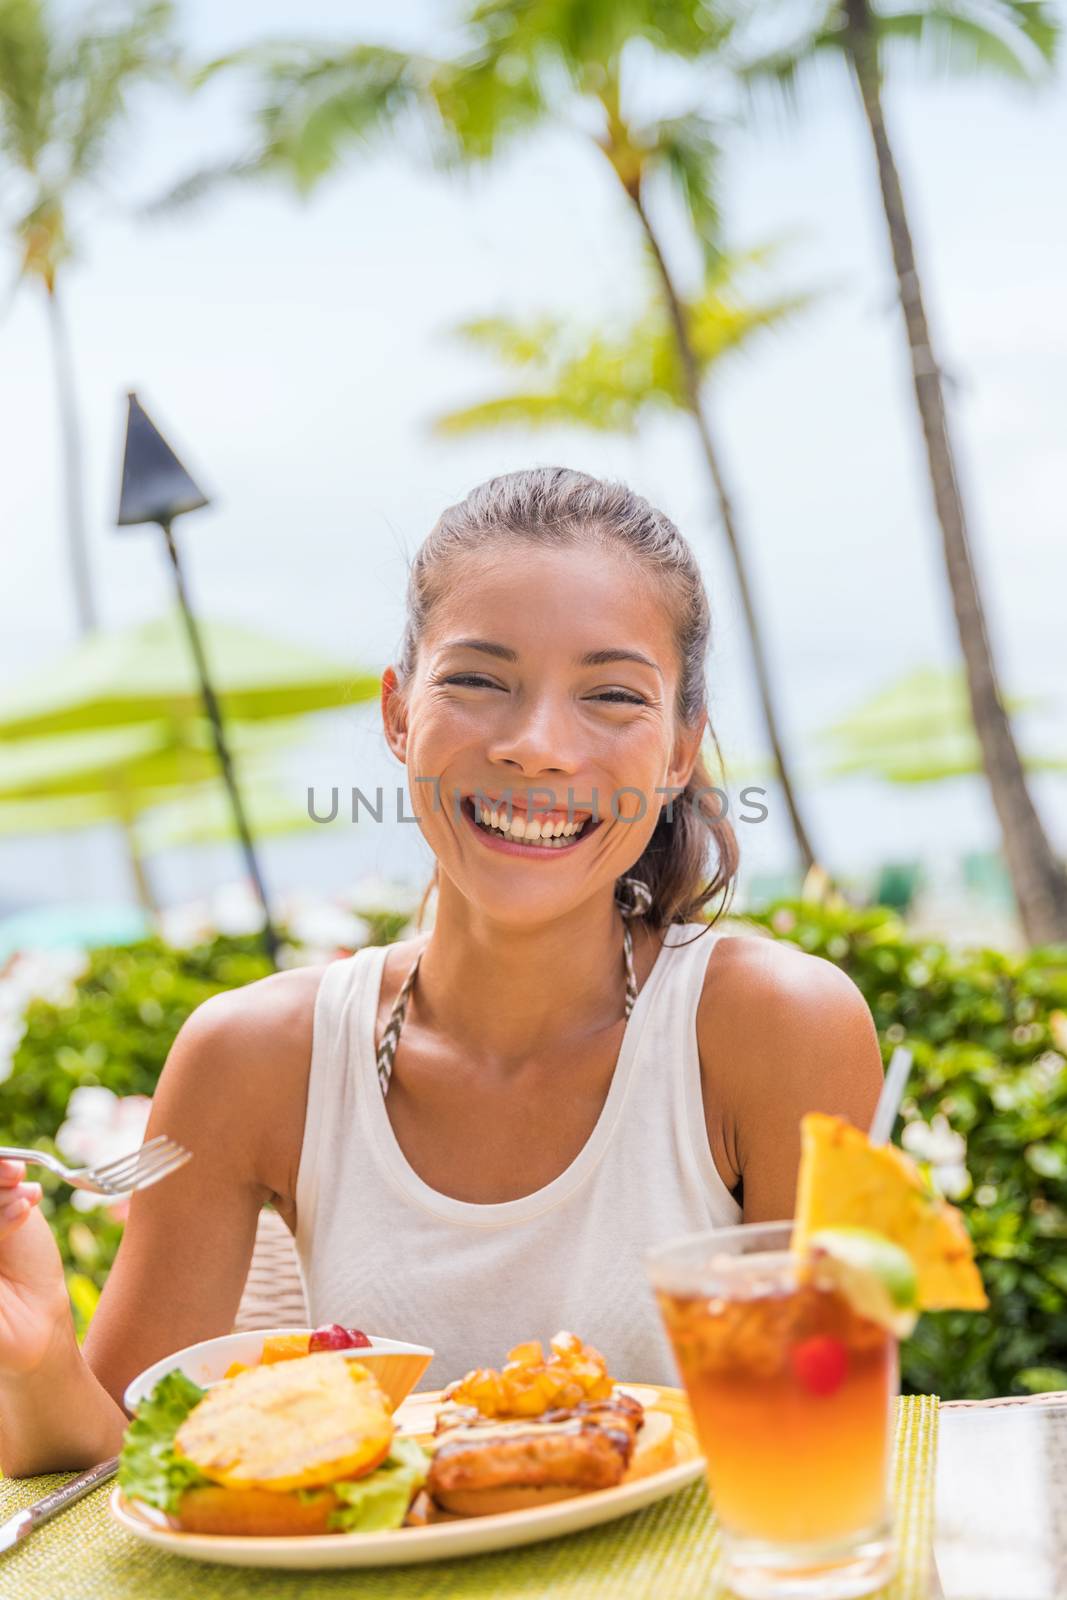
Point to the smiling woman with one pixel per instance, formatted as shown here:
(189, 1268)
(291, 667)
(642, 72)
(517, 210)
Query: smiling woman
(605, 693)
(475, 1133)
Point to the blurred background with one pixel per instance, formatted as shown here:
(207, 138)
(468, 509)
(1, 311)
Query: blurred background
(294, 335)
(792, 270)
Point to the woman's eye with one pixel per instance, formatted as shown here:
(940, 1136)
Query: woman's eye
(474, 680)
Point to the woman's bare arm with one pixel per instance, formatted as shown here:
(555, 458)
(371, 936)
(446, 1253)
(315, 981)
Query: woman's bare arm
(233, 1091)
(780, 1033)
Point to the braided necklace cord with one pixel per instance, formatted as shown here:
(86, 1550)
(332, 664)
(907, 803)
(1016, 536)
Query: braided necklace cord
(391, 1036)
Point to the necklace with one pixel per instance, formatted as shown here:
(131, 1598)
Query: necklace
(391, 1036)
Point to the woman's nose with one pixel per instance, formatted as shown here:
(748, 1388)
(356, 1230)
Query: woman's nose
(538, 739)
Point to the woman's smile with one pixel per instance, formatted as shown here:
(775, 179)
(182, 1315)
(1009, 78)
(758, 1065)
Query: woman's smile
(517, 836)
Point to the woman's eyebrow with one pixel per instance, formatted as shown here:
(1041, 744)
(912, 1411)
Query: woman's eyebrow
(593, 658)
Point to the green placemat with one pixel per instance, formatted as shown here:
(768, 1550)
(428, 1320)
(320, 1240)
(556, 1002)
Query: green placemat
(671, 1549)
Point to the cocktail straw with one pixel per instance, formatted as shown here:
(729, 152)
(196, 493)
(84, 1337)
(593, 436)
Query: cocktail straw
(885, 1112)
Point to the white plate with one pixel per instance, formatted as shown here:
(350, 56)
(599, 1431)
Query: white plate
(442, 1541)
(397, 1366)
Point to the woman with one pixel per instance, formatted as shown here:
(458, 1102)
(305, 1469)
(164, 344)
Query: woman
(474, 1133)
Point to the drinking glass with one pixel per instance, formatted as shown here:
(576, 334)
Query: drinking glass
(793, 1394)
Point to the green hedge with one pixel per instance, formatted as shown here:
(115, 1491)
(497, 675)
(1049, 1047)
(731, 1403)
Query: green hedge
(989, 1036)
(126, 1012)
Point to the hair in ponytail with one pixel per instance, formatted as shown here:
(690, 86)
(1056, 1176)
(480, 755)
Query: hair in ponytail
(554, 507)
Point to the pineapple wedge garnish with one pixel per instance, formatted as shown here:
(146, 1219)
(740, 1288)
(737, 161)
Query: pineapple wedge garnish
(846, 1182)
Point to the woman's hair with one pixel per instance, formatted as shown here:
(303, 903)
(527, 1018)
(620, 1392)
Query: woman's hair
(556, 508)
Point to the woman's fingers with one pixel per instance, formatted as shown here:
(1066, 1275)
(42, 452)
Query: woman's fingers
(11, 1172)
(16, 1203)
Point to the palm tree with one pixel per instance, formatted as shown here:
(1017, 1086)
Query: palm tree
(63, 93)
(528, 63)
(1012, 37)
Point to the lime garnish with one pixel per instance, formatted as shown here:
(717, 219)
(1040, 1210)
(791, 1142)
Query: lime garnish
(875, 1276)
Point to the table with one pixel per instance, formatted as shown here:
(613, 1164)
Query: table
(1001, 1529)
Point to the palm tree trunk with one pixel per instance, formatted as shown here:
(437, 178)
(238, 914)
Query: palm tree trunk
(695, 404)
(74, 491)
(1038, 877)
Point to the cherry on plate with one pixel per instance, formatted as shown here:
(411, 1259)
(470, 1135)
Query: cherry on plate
(332, 1336)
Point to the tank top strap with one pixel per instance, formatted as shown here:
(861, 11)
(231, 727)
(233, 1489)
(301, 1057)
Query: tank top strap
(683, 980)
(347, 993)
(667, 1081)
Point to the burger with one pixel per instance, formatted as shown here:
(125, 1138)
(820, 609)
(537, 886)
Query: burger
(298, 1447)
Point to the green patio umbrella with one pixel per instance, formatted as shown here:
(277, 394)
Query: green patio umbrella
(203, 817)
(120, 718)
(916, 730)
(76, 780)
(142, 760)
(145, 674)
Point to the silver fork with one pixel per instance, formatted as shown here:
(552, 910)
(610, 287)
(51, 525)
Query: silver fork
(138, 1170)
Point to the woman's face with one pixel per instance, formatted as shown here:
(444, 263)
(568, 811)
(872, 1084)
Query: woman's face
(548, 678)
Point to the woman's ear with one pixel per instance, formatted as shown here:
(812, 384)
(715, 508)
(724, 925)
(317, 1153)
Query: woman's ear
(684, 755)
(394, 715)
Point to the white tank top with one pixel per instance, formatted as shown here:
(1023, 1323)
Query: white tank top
(382, 1251)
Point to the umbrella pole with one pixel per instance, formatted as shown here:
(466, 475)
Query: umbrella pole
(214, 713)
(138, 872)
(142, 882)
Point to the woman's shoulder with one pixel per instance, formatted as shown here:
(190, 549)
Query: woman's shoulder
(272, 1015)
(780, 1033)
(754, 973)
(769, 1012)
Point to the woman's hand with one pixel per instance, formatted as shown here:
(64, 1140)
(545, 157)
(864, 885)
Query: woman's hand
(33, 1292)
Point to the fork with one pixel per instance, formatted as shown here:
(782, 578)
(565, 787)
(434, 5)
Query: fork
(156, 1159)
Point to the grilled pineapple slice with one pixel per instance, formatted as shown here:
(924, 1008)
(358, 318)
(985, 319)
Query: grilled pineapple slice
(289, 1425)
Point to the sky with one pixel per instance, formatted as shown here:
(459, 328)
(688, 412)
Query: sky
(295, 354)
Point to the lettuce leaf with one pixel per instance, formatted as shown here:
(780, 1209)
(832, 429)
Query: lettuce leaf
(148, 1468)
(381, 1499)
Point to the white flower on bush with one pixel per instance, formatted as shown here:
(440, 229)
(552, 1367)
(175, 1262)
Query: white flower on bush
(235, 909)
(47, 975)
(937, 1143)
(182, 927)
(374, 894)
(101, 1126)
(322, 928)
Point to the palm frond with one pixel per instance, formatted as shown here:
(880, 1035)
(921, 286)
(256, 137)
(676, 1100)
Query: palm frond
(201, 185)
(1016, 38)
(581, 33)
(607, 379)
(516, 344)
(687, 148)
(312, 109)
(785, 71)
(27, 82)
(534, 410)
(98, 69)
(312, 105)
(483, 101)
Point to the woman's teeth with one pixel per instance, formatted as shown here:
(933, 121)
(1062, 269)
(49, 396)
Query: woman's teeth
(549, 834)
